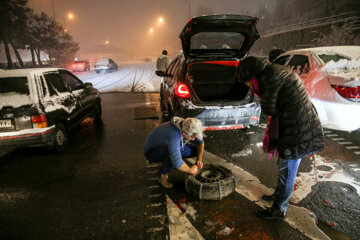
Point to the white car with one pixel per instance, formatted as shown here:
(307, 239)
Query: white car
(105, 65)
(331, 76)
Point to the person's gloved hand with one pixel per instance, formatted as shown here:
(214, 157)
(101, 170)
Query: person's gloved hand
(194, 170)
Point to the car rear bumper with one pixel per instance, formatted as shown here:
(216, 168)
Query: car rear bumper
(340, 116)
(27, 138)
(223, 118)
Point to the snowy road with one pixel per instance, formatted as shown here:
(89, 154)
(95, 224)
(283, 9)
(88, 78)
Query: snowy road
(131, 77)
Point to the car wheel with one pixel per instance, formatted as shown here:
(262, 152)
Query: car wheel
(213, 182)
(97, 72)
(98, 111)
(60, 138)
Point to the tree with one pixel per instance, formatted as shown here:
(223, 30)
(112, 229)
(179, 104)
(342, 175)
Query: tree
(13, 17)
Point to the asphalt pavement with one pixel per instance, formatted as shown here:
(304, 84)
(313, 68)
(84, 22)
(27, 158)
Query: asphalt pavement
(101, 187)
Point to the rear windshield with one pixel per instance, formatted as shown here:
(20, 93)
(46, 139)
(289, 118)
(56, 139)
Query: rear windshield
(103, 62)
(14, 85)
(217, 40)
(334, 57)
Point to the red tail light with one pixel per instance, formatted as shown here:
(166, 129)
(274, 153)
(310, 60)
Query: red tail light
(39, 121)
(350, 93)
(182, 90)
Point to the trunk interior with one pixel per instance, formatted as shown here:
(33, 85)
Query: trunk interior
(216, 81)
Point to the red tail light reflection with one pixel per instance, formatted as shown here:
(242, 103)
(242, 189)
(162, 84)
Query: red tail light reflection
(182, 90)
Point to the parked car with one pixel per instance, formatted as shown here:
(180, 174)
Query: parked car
(331, 78)
(82, 65)
(201, 81)
(38, 106)
(105, 65)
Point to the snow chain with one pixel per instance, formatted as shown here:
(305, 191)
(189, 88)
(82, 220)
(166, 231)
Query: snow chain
(200, 191)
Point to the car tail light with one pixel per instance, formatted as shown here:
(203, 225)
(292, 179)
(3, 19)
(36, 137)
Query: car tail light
(182, 90)
(73, 66)
(39, 121)
(350, 93)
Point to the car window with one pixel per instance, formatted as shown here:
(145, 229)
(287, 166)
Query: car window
(73, 82)
(299, 64)
(18, 85)
(216, 40)
(281, 60)
(171, 70)
(54, 81)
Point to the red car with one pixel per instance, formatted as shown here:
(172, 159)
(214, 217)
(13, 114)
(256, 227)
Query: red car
(80, 66)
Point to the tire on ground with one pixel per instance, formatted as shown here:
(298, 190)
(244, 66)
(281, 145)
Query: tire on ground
(213, 182)
(60, 138)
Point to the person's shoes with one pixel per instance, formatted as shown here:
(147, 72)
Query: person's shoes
(163, 180)
(269, 198)
(271, 213)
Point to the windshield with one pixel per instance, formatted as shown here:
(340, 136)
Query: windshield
(216, 40)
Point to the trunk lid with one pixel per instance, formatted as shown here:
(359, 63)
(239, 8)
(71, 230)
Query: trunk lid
(219, 35)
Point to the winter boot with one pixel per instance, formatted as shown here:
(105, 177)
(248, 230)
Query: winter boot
(272, 213)
(163, 180)
(269, 198)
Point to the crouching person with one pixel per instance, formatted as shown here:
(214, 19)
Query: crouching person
(172, 141)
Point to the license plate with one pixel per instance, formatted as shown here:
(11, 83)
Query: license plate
(5, 123)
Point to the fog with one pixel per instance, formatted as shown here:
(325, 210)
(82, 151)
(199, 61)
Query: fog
(121, 29)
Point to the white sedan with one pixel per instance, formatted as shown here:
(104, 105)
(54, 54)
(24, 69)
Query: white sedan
(331, 76)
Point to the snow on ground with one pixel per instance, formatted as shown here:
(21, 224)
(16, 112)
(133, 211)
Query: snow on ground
(131, 77)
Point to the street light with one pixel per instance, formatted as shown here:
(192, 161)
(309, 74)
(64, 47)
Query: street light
(70, 15)
(107, 42)
(151, 30)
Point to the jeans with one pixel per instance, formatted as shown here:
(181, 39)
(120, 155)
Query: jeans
(286, 181)
(162, 155)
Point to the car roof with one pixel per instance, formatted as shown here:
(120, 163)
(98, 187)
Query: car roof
(27, 71)
(351, 51)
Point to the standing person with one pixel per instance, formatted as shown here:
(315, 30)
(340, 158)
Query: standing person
(162, 62)
(165, 145)
(294, 130)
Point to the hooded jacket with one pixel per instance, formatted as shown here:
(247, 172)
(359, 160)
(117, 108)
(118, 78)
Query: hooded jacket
(162, 63)
(283, 94)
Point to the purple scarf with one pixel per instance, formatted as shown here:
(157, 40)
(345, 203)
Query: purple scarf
(272, 128)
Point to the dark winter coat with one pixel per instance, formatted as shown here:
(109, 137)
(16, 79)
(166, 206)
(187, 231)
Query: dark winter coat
(283, 93)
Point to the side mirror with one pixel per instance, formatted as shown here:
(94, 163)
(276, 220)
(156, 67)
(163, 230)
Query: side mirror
(88, 85)
(160, 73)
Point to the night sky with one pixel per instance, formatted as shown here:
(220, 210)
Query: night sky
(125, 24)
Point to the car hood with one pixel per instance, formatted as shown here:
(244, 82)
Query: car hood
(241, 28)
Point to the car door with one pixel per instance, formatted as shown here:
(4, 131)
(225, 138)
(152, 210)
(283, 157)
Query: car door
(60, 103)
(83, 95)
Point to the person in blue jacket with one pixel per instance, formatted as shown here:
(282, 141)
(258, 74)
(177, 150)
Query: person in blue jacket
(172, 141)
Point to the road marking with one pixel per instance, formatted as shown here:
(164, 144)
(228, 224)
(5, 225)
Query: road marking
(179, 226)
(332, 135)
(338, 139)
(155, 195)
(352, 147)
(345, 143)
(156, 229)
(250, 187)
(153, 186)
(156, 204)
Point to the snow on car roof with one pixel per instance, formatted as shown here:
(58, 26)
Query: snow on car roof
(351, 51)
(102, 61)
(26, 72)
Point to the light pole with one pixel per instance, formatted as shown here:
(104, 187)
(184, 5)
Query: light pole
(161, 22)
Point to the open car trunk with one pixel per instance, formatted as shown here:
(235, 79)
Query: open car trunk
(215, 82)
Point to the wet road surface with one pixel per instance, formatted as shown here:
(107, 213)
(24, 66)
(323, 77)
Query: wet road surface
(102, 188)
